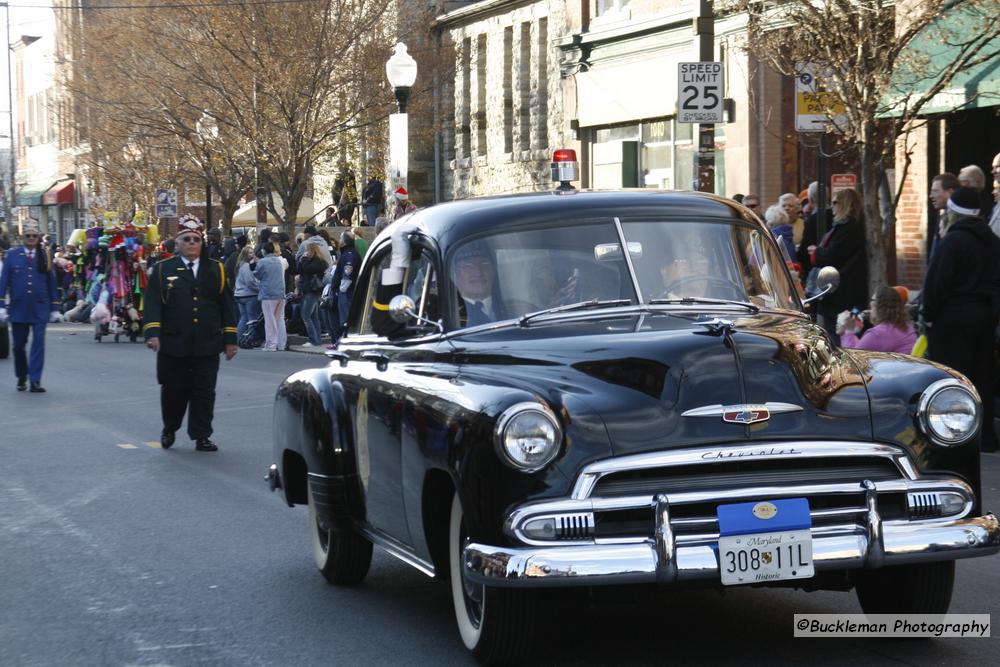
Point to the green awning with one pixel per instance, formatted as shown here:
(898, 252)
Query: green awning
(31, 194)
(934, 49)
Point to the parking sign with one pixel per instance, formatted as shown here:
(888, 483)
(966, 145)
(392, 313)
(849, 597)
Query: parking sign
(816, 106)
(699, 92)
(166, 203)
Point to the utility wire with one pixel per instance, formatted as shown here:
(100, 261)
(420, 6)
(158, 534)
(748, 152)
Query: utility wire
(173, 5)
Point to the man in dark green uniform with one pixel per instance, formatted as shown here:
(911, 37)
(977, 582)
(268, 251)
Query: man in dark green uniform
(189, 316)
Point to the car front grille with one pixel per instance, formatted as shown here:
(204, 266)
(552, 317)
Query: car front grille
(618, 500)
(729, 474)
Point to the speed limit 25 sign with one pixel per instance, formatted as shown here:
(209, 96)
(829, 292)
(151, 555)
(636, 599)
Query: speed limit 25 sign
(699, 92)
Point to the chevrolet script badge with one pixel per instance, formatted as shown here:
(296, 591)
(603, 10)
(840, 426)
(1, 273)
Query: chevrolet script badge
(765, 510)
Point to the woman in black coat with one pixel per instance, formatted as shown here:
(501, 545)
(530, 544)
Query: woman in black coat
(843, 247)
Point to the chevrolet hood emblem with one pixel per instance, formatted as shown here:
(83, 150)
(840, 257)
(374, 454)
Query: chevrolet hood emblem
(744, 413)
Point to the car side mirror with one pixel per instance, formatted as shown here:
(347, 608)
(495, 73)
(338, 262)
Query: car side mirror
(827, 280)
(403, 309)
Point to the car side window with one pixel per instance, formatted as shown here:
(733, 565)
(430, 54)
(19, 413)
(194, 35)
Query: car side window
(419, 283)
(370, 283)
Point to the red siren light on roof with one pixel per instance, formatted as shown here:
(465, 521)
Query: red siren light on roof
(564, 155)
(565, 169)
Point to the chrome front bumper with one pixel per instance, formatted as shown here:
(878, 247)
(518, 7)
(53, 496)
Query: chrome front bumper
(659, 560)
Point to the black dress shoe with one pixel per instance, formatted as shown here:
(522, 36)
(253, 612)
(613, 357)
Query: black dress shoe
(166, 440)
(205, 445)
(22, 384)
(37, 388)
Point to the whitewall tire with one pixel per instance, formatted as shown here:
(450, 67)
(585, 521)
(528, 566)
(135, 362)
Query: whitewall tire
(496, 624)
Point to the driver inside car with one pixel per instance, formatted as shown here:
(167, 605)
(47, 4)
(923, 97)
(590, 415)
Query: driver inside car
(474, 275)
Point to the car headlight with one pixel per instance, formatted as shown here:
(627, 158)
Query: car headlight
(949, 412)
(527, 436)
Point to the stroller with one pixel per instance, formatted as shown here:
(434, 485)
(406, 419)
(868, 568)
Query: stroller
(253, 334)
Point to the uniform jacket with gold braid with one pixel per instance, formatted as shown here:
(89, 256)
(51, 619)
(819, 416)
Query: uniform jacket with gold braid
(192, 316)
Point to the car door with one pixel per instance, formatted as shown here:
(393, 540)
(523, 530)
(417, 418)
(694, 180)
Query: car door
(383, 384)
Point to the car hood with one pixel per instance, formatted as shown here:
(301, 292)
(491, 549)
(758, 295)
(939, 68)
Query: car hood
(656, 379)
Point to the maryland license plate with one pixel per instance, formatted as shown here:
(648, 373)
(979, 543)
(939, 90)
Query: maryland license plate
(765, 541)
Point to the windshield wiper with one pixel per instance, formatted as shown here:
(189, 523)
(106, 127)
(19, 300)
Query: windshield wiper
(705, 300)
(581, 305)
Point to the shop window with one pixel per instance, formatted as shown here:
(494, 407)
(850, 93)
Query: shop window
(614, 157)
(658, 154)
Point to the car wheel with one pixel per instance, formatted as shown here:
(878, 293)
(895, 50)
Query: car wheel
(342, 556)
(4, 342)
(496, 624)
(907, 589)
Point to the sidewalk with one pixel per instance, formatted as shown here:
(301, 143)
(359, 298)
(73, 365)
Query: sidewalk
(295, 344)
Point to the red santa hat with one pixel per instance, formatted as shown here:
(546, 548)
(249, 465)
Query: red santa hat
(401, 194)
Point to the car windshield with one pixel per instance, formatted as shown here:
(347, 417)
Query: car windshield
(709, 260)
(510, 274)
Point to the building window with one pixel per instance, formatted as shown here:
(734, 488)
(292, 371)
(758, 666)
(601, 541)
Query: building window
(524, 86)
(615, 163)
(466, 111)
(508, 92)
(609, 7)
(543, 83)
(481, 94)
(658, 153)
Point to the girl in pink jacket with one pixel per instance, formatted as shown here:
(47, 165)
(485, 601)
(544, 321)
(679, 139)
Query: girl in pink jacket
(893, 331)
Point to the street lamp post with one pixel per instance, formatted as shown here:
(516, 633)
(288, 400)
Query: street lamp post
(208, 130)
(401, 70)
(9, 200)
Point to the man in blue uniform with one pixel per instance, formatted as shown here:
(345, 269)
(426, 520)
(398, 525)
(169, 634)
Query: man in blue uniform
(34, 302)
(190, 319)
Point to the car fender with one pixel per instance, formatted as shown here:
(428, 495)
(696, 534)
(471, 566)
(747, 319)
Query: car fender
(312, 422)
(895, 383)
(489, 487)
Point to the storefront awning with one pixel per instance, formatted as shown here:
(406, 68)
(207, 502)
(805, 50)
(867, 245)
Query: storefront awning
(31, 193)
(246, 216)
(935, 48)
(60, 193)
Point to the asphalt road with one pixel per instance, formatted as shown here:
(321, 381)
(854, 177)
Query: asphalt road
(115, 552)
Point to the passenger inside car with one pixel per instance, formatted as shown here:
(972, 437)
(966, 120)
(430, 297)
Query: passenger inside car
(686, 276)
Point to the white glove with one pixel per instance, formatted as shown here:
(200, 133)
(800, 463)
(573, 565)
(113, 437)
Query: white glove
(55, 316)
(3, 315)
(400, 260)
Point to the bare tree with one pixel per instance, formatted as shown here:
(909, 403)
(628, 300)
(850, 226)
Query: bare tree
(275, 73)
(133, 98)
(886, 61)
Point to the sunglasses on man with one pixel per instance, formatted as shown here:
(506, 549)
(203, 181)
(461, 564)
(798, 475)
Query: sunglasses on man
(189, 239)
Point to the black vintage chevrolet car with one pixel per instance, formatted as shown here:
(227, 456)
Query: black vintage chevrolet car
(600, 388)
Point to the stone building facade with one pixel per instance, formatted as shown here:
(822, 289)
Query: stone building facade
(507, 96)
